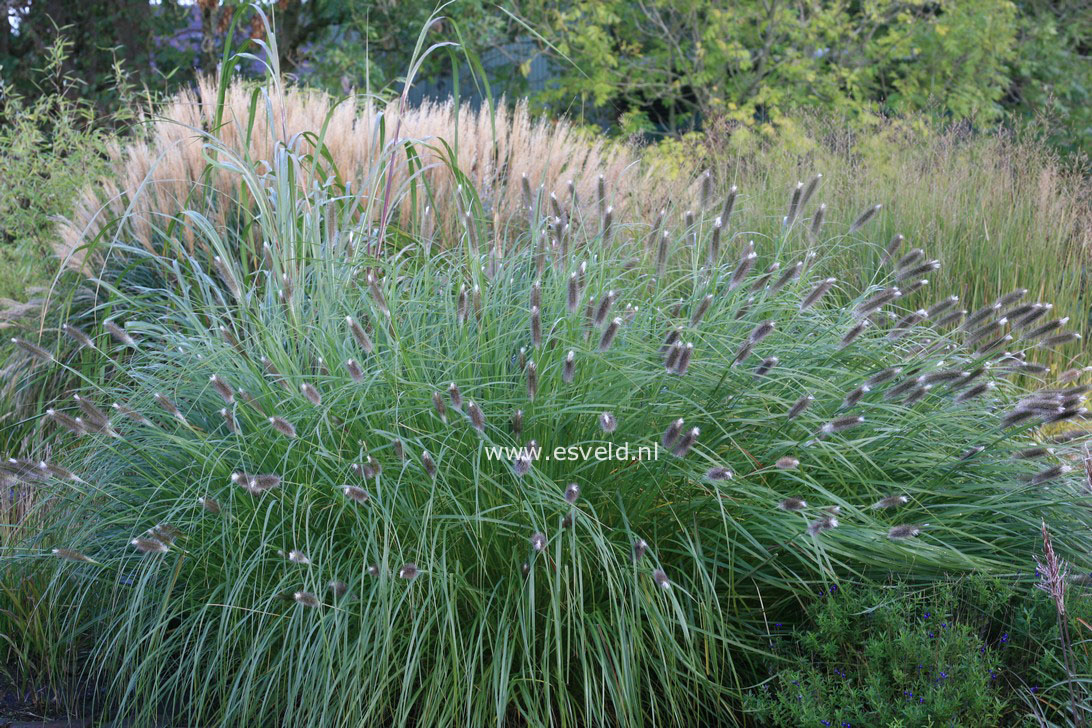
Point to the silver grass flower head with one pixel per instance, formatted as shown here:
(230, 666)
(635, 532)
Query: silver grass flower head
(1059, 340)
(787, 463)
(338, 588)
(477, 417)
(898, 533)
(462, 308)
(706, 189)
(456, 395)
(373, 570)
(538, 541)
(661, 579)
(762, 280)
(165, 402)
(408, 571)
(517, 422)
(891, 501)
(607, 422)
(307, 599)
(572, 493)
(718, 474)
(640, 546)
(229, 278)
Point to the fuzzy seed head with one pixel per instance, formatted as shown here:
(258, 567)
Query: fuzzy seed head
(210, 504)
(900, 533)
(283, 426)
(149, 546)
(311, 393)
(787, 463)
(891, 501)
(792, 504)
(718, 474)
(572, 493)
(355, 493)
(307, 599)
(607, 422)
(661, 579)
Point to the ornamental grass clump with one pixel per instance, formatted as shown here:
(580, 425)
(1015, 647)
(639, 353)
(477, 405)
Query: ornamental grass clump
(397, 541)
(332, 403)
